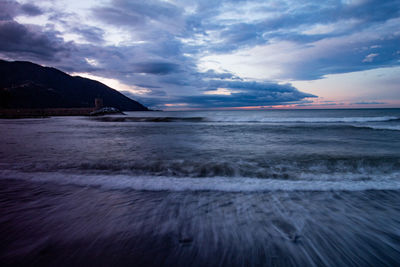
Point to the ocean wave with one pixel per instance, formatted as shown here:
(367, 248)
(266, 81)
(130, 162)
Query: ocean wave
(380, 127)
(307, 119)
(293, 168)
(241, 119)
(277, 168)
(148, 119)
(224, 184)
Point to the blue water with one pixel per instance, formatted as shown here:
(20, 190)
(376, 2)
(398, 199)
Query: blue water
(232, 188)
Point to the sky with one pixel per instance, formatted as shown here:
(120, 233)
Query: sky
(217, 54)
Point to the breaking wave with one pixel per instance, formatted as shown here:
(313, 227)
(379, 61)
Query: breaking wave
(225, 184)
(307, 120)
(148, 119)
(381, 127)
(248, 119)
(327, 168)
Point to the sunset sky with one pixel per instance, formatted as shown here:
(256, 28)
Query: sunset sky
(188, 54)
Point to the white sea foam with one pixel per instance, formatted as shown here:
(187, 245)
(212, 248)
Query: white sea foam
(251, 119)
(381, 127)
(225, 184)
(301, 119)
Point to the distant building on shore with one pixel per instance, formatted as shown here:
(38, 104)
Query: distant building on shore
(98, 103)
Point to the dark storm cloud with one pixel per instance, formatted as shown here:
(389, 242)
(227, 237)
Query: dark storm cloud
(20, 40)
(10, 9)
(135, 13)
(30, 9)
(90, 34)
(157, 93)
(160, 68)
(241, 33)
(242, 94)
(247, 94)
(30, 42)
(215, 75)
(218, 101)
(235, 100)
(251, 86)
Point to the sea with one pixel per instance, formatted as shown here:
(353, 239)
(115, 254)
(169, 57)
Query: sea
(202, 188)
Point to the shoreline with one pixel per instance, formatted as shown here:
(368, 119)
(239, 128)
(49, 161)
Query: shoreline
(72, 225)
(53, 112)
(43, 112)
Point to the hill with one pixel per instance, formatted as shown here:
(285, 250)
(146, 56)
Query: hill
(30, 86)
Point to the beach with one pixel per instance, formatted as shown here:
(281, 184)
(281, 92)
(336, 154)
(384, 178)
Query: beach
(202, 188)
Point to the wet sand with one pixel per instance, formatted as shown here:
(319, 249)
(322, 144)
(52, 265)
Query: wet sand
(45, 224)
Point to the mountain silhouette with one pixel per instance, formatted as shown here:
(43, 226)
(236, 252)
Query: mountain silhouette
(25, 84)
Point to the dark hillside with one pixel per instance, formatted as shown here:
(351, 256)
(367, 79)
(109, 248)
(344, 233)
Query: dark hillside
(28, 85)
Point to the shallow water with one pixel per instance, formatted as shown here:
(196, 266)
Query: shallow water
(223, 188)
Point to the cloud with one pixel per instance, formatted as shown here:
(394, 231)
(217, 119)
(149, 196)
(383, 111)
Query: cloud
(10, 9)
(219, 75)
(245, 93)
(185, 51)
(323, 38)
(237, 94)
(370, 57)
(31, 10)
(29, 42)
(23, 41)
(296, 21)
(160, 68)
(291, 60)
(90, 34)
(369, 103)
(139, 15)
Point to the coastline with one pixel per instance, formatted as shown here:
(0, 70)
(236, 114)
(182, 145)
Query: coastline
(44, 112)
(51, 112)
